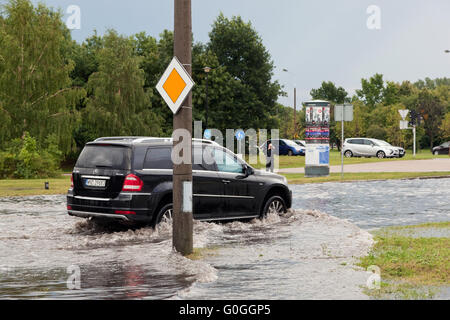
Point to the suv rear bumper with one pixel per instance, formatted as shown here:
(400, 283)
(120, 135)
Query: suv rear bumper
(125, 207)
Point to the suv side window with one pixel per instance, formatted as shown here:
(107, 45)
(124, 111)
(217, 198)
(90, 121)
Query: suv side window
(227, 163)
(158, 158)
(358, 141)
(368, 142)
(206, 156)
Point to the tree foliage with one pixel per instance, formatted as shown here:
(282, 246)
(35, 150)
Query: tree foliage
(119, 104)
(36, 92)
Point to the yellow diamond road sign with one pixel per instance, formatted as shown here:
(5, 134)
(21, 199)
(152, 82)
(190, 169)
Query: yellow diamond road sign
(175, 85)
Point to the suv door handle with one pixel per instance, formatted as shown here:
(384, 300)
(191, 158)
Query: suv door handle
(226, 181)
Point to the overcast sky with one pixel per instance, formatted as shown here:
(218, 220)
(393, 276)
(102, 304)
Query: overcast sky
(320, 40)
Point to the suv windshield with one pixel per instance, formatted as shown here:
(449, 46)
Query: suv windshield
(105, 156)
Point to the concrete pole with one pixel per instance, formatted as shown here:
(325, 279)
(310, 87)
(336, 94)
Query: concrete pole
(182, 174)
(414, 143)
(342, 143)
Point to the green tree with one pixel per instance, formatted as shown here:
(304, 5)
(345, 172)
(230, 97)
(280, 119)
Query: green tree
(371, 91)
(329, 92)
(239, 48)
(432, 110)
(36, 92)
(119, 104)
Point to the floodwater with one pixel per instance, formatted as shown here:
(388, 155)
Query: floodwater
(306, 254)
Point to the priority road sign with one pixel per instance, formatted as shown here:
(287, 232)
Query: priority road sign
(403, 113)
(175, 85)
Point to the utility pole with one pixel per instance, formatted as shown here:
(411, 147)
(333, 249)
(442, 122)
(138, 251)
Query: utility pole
(295, 111)
(182, 173)
(342, 143)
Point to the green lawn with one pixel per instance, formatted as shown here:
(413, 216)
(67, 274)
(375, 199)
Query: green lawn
(409, 266)
(30, 187)
(335, 159)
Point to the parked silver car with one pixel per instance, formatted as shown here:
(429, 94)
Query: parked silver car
(366, 147)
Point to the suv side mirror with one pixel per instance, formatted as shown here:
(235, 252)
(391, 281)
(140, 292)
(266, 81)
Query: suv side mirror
(247, 171)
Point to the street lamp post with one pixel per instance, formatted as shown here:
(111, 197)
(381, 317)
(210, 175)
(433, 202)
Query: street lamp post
(295, 105)
(207, 70)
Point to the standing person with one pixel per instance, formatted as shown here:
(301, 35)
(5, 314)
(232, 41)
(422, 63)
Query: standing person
(269, 157)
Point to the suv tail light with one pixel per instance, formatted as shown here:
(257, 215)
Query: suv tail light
(132, 183)
(71, 181)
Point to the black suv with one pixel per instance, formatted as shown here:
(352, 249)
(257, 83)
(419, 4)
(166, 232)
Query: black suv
(130, 179)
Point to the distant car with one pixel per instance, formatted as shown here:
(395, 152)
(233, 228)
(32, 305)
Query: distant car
(286, 147)
(366, 147)
(442, 149)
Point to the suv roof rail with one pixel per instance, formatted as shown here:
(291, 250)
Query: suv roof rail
(150, 139)
(117, 138)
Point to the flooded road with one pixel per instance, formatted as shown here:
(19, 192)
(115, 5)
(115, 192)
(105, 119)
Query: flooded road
(304, 255)
(375, 204)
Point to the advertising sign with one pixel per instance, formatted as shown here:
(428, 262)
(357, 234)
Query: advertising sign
(317, 137)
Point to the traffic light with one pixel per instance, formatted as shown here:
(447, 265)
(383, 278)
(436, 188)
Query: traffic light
(414, 117)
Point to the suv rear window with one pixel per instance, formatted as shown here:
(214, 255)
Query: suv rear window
(105, 156)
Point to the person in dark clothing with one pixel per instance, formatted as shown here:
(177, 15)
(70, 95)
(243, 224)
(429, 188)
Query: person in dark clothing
(269, 157)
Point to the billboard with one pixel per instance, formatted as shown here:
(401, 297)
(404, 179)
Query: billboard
(317, 137)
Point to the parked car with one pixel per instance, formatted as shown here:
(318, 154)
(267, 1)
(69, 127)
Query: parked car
(130, 180)
(301, 143)
(442, 149)
(366, 147)
(286, 147)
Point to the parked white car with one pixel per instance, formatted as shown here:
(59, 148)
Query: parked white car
(366, 147)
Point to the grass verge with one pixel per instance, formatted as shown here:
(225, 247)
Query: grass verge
(411, 268)
(299, 178)
(335, 159)
(31, 187)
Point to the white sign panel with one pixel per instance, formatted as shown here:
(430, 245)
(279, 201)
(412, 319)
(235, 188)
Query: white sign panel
(343, 112)
(175, 85)
(403, 113)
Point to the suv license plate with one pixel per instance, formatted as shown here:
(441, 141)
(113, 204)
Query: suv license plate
(95, 183)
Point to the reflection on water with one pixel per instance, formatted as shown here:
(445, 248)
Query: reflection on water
(305, 254)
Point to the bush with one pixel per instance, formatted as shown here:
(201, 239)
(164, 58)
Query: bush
(23, 159)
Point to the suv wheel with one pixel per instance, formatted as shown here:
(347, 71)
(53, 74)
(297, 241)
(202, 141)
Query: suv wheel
(165, 214)
(436, 153)
(276, 205)
(381, 155)
(290, 153)
(348, 154)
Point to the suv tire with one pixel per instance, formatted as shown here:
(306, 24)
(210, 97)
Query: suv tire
(164, 213)
(275, 204)
(348, 154)
(381, 155)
